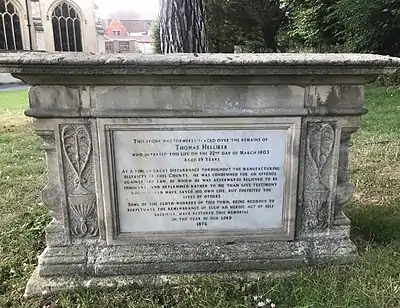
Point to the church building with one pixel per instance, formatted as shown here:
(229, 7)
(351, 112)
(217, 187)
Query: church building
(50, 25)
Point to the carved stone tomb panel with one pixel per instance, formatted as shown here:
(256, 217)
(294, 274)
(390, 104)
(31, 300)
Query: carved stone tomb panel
(79, 178)
(192, 179)
(317, 193)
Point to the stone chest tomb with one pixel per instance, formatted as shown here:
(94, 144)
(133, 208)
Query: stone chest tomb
(184, 164)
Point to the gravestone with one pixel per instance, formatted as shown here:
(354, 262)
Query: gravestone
(161, 166)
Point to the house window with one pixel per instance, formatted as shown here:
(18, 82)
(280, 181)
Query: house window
(109, 46)
(124, 46)
(117, 32)
(67, 31)
(10, 27)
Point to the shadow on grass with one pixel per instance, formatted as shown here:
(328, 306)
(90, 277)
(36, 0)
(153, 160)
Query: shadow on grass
(375, 224)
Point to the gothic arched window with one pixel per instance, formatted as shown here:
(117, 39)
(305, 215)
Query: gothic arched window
(67, 31)
(10, 27)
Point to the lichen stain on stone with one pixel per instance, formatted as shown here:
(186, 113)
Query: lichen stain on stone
(333, 98)
(352, 94)
(232, 104)
(61, 96)
(33, 97)
(322, 95)
(71, 93)
(284, 91)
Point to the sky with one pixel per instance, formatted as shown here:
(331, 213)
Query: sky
(146, 8)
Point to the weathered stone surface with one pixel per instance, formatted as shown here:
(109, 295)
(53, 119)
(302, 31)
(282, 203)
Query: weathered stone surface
(296, 63)
(79, 180)
(62, 68)
(79, 102)
(39, 285)
(208, 99)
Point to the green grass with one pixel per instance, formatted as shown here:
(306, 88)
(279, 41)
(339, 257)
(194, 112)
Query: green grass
(373, 281)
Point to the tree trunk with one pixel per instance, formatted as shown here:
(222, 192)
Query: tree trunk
(270, 26)
(182, 26)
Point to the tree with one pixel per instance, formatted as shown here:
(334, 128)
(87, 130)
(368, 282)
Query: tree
(220, 29)
(370, 26)
(362, 26)
(257, 23)
(182, 26)
(155, 35)
(253, 24)
(313, 26)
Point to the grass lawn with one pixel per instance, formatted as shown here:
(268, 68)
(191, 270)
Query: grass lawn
(373, 281)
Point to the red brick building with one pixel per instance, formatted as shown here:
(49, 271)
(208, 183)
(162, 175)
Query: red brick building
(115, 27)
(128, 36)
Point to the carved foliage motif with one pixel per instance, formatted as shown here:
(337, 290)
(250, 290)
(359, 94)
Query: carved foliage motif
(317, 201)
(321, 138)
(78, 168)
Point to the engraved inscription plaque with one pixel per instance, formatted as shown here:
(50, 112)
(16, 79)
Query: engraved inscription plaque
(199, 180)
